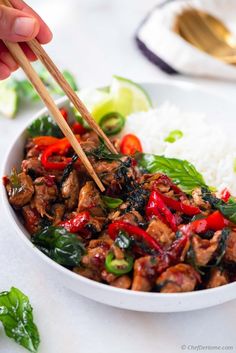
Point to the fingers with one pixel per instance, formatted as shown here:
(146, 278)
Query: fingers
(44, 35)
(17, 26)
(4, 71)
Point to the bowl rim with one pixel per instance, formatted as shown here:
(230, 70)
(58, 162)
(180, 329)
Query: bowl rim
(74, 276)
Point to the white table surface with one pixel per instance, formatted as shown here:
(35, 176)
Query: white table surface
(94, 38)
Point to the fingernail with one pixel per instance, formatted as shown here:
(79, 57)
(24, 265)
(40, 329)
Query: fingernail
(24, 26)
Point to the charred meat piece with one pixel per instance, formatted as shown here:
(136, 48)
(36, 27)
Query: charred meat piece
(94, 226)
(58, 210)
(33, 167)
(88, 273)
(20, 189)
(144, 273)
(70, 190)
(205, 249)
(118, 175)
(218, 277)
(31, 218)
(178, 278)
(198, 199)
(123, 282)
(96, 254)
(90, 200)
(132, 217)
(89, 141)
(45, 193)
(161, 232)
(230, 252)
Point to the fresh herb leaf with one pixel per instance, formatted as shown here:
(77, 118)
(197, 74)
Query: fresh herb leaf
(228, 209)
(173, 136)
(69, 168)
(180, 171)
(17, 318)
(61, 246)
(16, 186)
(101, 152)
(222, 245)
(111, 202)
(44, 126)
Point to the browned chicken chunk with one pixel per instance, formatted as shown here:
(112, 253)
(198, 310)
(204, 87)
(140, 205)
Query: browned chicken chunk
(198, 200)
(45, 193)
(90, 200)
(31, 219)
(144, 273)
(204, 249)
(122, 282)
(218, 278)
(178, 278)
(20, 189)
(70, 190)
(58, 210)
(161, 232)
(230, 252)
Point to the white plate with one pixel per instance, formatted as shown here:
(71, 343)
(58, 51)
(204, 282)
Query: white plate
(191, 98)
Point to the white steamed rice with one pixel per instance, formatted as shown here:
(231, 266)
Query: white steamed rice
(205, 146)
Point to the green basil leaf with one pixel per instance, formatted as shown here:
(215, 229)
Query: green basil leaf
(44, 126)
(61, 246)
(17, 318)
(183, 173)
(111, 202)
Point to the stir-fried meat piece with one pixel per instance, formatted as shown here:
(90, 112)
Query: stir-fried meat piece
(136, 200)
(95, 225)
(58, 210)
(123, 282)
(70, 190)
(161, 232)
(107, 276)
(88, 273)
(144, 273)
(132, 217)
(31, 219)
(204, 249)
(45, 193)
(198, 200)
(96, 254)
(20, 189)
(89, 141)
(90, 200)
(178, 278)
(230, 251)
(148, 180)
(33, 167)
(117, 175)
(218, 278)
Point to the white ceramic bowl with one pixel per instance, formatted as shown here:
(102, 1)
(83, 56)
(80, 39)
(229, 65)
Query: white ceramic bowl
(190, 98)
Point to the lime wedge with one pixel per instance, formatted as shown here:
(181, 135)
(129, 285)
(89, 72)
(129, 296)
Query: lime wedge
(98, 102)
(128, 97)
(123, 96)
(8, 98)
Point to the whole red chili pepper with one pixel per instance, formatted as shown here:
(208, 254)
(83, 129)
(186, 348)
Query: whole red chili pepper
(134, 231)
(77, 223)
(157, 207)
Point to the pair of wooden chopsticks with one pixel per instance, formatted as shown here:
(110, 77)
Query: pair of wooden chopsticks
(20, 57)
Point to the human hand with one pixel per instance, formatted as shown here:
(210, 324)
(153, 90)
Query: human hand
(20, 24)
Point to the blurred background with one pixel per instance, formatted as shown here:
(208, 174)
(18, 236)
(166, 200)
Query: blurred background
(95, 38)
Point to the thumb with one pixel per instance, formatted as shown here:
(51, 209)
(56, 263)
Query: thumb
(17, 26)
